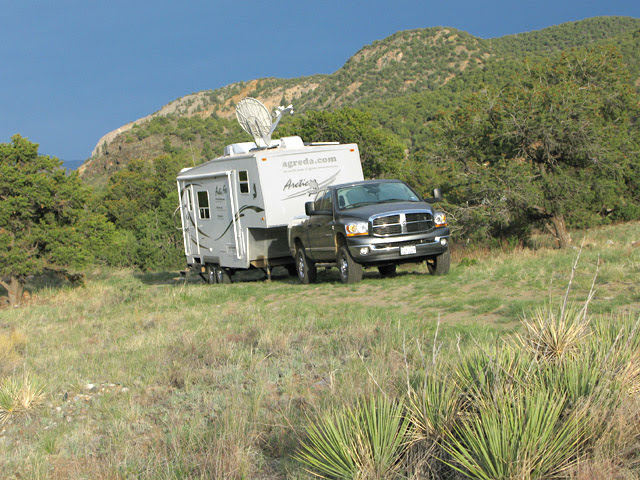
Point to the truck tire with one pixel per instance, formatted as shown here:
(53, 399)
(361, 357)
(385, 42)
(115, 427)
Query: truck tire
(223, 275)
(387, 270)
(350, 271)
(439, 265)
(307, 272)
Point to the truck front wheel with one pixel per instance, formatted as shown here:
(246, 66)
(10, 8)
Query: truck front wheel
(350, 271)
(439, 265)
(307, 271)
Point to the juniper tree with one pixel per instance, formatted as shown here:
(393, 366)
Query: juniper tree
(43, 222)
(558, 146)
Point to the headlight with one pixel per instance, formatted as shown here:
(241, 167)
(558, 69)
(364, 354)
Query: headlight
(440, 219)
(357, 228)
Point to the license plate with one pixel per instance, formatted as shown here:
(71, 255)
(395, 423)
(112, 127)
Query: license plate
(408, 250)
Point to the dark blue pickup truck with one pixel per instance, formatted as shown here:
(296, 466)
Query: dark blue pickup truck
(373, 223)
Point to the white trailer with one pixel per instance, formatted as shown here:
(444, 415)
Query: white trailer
(235, 209)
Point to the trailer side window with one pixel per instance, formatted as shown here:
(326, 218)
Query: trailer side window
(203, 204)
(243, 178)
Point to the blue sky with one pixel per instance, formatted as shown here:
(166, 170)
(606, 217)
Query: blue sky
(71, 71)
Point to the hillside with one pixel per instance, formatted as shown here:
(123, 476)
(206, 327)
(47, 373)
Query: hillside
(432, 64)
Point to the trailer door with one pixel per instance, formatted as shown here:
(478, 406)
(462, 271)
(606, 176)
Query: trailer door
(210, 219)
(225, 216)
(188, 218)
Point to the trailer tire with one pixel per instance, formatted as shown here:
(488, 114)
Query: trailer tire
(440, 264)
(208, 273)
(350, 271)
(223, 275)
(307, 272)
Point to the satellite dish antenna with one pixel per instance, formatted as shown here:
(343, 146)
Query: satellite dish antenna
(254, 118)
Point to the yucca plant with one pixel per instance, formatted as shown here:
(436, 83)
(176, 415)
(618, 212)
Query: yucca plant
(433, 408)
(616, 340)
(527, 434)
(554, 335)
(361, 442)
(19, 397)
(583, 377)
(487, 373)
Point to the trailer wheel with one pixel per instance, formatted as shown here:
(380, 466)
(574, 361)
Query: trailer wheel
(440, 264)
(209, 274)
(223, 275)
(350, 271)
(307, 272)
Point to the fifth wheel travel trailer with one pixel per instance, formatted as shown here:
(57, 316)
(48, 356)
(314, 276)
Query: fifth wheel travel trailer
(235, 209)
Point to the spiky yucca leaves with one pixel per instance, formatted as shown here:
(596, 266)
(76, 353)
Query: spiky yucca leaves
(19, 397)
(554, 335)
(488, 373)
(525, 434)
(584, 377)
(433, 408)
(361, 442)
(617, 341)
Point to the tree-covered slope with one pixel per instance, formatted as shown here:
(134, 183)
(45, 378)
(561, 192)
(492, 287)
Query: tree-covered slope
(403, 80)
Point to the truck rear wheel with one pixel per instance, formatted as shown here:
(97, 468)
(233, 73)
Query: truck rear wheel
(439, 265)
(307, 272)
(350, 271)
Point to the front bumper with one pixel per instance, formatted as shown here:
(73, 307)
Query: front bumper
(380, 250)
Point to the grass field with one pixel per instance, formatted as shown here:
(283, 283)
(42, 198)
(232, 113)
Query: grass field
(146, 375)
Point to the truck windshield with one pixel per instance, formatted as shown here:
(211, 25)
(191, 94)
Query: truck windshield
(373, 193)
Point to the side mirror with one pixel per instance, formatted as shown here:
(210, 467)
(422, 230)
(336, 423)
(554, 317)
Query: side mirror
(437, 196)
(308, 208)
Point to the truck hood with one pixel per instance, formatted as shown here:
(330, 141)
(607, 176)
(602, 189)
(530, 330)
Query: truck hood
(367, 211)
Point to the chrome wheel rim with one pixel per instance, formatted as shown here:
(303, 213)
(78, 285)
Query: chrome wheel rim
(344, 267)
(300, 265)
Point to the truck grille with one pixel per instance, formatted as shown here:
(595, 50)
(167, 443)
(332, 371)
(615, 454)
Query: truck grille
(402, 223)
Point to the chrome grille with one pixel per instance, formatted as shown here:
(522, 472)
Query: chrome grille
(402, 223)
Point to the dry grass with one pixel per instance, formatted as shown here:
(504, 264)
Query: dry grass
(12, 347)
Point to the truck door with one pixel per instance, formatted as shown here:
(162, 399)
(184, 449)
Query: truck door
(320, 232)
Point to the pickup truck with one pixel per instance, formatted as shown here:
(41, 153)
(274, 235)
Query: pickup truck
(373, 223)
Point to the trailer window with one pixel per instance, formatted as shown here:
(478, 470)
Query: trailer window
(243, 178)
(203, 204)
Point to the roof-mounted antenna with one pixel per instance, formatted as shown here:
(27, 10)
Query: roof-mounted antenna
(254, 118)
